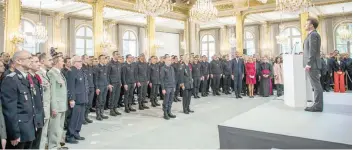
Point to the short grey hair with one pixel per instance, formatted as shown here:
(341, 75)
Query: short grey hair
(75, 58)
(17, 54)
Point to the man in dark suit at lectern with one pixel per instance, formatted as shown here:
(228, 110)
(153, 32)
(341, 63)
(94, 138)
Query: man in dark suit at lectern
(312, 63)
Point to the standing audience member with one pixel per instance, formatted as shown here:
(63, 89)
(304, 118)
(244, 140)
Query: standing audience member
(227, 72)
(187, 85)
(250, 75)
(35, 83)
(205, 71)
(215, 73)
(154, 81)
(102, 85)
(46, 64)
(265, 78)
(196, 76)
(58, 102)
(237, 74)
(128, 79)
(88, 70)
(168, 87)
(339, 72)
(142, 77)
(278, 73)
(2, 71)
(18, 104)
(114, 79)
(77, 87)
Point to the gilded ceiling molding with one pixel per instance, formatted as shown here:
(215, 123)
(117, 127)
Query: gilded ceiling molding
(130, 1)
(180, 10)
(225, 7)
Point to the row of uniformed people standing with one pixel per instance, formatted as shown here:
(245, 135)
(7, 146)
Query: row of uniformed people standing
(35, 98)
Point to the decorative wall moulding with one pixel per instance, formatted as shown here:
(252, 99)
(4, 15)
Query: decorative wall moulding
(225, 7)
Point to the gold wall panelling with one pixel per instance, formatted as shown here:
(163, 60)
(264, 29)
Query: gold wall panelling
(184, 11)
(12, 19)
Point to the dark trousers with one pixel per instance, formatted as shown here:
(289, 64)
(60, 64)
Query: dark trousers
(90, 101)
(204, 85)
(314, 78)
(168, 99)
(76, 120)
(325, 81)
(245, 88)
(20, 145)
(256, 86)
(197, 81)
(238, 85)
(226, 83)
(186, 99)
(115, 95)
(129, 94)
(177, 91)
(154, 91)
(160, 93)
(216, 82)
(279, 88)
(142, 92)
(122, 91)
(36, 142)
(209, 83)
(102, 98)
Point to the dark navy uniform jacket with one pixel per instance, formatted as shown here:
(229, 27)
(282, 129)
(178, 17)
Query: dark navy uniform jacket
(227, 68)
(100, 76)
(114, 72)
(18, 107)
(38, 101)
(128, 74)
(89, 71)
(167, 77)
(196, 70)
(154, 73)
(76, 86)
(186, 77)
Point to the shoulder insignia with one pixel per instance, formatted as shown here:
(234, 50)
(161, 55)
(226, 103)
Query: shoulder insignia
(11, 74)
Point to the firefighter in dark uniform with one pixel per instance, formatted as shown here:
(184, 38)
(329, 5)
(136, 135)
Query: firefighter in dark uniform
(142, 76)
(187, 85)
(18, 104)
(77, 87)
(216, 73)
(205, 76)
(177, 70)
(88, 70)
(154, 81)
(227, 74)
(114, 78)
(129, 82)
(120, 101)
(196, 76)
(101, 83)
(37, 91)
(168, 87)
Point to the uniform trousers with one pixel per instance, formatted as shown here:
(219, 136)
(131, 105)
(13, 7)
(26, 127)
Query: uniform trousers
(177, 91)
(129, 94)
(154, 91)
(238, 81)
(186, 99)
(76, 121)
(142, 92)
(204, 84)
(226, 83)
(36, 141)
(197, 81)
(44, 136)
(216, 82)
(20, 145)
(55, 130)
(115, 96)
(90, 100)
(168, 99)
(102, 98)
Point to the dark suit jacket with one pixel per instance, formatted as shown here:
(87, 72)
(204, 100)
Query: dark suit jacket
(186, 77)
(18, 107)
(237, 67)
(76, 86)
(311, 50)
(341, 66)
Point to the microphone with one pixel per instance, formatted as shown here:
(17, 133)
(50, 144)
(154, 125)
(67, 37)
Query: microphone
(293, 48)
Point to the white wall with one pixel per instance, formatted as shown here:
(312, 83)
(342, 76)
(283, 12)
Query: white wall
(170, 42)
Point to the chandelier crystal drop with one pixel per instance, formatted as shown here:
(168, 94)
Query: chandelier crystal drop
(293, 5)
(40, 32)
(281, 39)
(203, 11)
(154, 7)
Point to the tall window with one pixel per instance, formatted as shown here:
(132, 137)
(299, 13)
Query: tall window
(129, 43)
(294, 41)
(249, 43)
(29, 44)
(208, 46)
(84, 41)
(343, 46)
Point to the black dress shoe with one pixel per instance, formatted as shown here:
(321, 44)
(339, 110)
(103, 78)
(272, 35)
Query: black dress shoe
(140, 107)
(157, 104)
(313, 109)
(171, 115)
(165, 116)
(112, 113)
(186, 112)
(104, 117)
(80, 138)
(127, 110)
(88, 120)
(240, 96)
(145, 107)
(99, 118)
(189, 110)
(116, 111)
(71, 140)
(198, 96)
(134, 103)
(132, 109)
(121, 105)
(92, 110)
(309, 101)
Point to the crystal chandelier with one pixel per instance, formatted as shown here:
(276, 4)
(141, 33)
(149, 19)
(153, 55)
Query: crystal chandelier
(344, 34)
(281, 38)
(203, 11)
(293, 5)
(154, 7)
(232, 41)
(40, 32)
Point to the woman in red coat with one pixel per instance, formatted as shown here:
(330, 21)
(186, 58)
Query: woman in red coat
(250, 76)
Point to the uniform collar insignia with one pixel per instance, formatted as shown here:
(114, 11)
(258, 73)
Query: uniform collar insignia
(20, 76)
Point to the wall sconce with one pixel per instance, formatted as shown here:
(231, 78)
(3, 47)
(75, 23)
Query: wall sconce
(17, 38)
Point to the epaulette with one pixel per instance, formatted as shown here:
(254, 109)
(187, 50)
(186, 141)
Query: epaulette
(11, 74)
